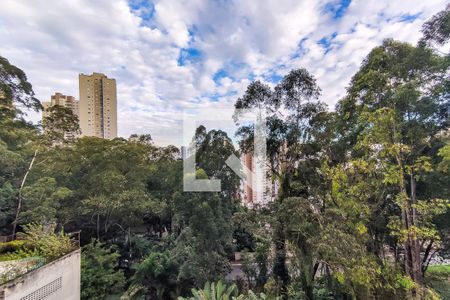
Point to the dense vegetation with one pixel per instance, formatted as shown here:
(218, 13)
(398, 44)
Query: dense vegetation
(362, 209)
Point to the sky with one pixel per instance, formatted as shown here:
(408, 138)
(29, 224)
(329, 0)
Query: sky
(171, 56)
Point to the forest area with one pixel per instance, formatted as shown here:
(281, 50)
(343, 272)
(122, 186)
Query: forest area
(363, 209)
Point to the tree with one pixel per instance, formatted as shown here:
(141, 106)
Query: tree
(203, 236)
(15, 132)
(396, 107)
(60, 124)
(42, 200)
(100, 276)
(213, 149)
(257, 257)
(156, 276)
(437, 29)
(221, 291)
(44, 240)
(291, 139)
(109, 183)
(15, 89)
(212, 291)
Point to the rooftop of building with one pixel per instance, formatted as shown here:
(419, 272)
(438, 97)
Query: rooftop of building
(32, 249)
(96, 74)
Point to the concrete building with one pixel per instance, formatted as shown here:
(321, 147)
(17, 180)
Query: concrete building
(61, 100)
(59, 279)
(185, 152)
(64, 101)
(262, 188)
(98, 106)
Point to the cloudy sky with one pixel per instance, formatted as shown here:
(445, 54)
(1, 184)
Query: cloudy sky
(171, 55)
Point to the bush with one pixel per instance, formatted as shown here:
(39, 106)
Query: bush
(46, 243)
(11, 246)
(222, 291)
(100, 274)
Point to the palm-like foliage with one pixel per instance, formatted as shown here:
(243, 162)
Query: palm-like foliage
(253, 296)
(220, 291)
(214, 291)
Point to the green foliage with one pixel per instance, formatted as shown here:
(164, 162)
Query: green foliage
(42, 200)
(100, 276)
(437, 29)
(155, 275)
(204, 237)
(438, 278)
(220, 291)
(109, 183)
(213, 149)
(203, 241)
(444, 152)
(214, 291)
(44, 241)
(11, 246)
(362, 202)
(15, 88)
(16, 137)
(393, 119)
(439, 270)
(60, 124)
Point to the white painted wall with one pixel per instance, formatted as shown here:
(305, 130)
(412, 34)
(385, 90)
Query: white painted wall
(57, 280)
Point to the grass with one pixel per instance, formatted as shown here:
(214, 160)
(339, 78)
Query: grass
(439, 269)
(438, 278)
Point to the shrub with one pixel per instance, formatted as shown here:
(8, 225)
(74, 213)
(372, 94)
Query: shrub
(11, 246)
(45, 242)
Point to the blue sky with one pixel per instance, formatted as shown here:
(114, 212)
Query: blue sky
(169, 56)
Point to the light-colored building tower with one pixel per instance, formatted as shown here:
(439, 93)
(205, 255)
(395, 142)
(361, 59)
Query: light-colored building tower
(61, 100)
(64, 101)
(98, 106)
(186, 152)
(264, 189)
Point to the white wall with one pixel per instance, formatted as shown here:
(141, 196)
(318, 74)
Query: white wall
(58, 280)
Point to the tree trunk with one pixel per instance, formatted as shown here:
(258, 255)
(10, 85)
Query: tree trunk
(413, 262)
(307, 287)
(414, 245)
(19, 202)
(279, 268)
(98, 226)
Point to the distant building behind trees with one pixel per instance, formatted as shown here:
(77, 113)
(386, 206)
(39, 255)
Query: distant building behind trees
(98, 106)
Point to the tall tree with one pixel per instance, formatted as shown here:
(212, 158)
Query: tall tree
(294, 114)
(15, 135)
(100, 276)
(396, 108)
(437, 29)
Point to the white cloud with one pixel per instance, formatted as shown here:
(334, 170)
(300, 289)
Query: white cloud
(52, 44)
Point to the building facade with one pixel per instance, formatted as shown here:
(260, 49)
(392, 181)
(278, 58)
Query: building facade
(61, 100)
(257, 188)
(98, 106)
(64, 101)
(57, 280)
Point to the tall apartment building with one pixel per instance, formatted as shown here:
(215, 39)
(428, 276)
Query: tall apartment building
(98, 106)
(61, 100)
(265, 189)
(64, 101)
